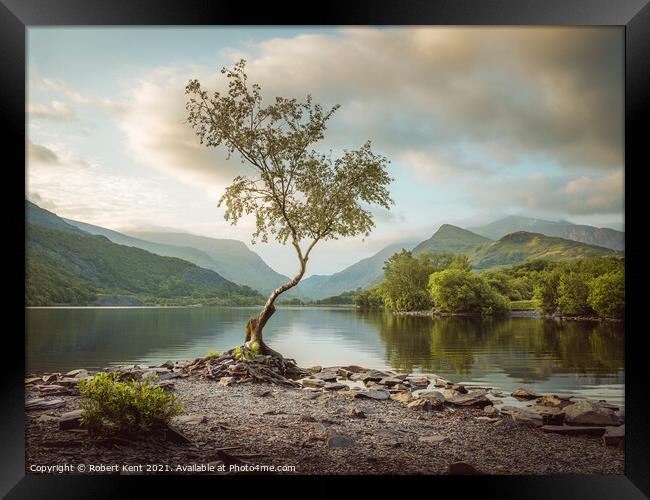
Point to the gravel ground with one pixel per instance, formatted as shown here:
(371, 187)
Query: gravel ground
(277, 426)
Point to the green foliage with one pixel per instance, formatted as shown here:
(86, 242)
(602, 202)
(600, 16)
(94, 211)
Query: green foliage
(457, 290)
(607, 294)
(406, 277)
(545, 293)
(572, 294)
(371, 298)
(522, 305)
(213, 354)
(582, 287)
(110, 405)
(295, 193)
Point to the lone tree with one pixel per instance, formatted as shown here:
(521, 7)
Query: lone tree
(295, 193)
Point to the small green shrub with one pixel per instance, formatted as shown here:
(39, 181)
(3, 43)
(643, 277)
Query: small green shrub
(212, 353)
(111, 405)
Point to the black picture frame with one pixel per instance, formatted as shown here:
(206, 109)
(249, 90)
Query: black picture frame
(634, 15)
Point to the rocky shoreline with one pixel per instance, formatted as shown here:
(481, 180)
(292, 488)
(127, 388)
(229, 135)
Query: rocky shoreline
(523, 313)
(334, 420)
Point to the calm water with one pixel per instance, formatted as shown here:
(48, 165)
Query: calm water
(582, 358)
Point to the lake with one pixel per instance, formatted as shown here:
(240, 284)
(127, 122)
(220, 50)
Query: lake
(581, 358)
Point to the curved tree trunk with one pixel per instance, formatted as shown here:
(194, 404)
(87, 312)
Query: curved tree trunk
(255, 325)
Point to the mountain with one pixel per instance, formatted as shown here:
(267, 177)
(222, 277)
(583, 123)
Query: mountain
(230, 258)
(521, 246)
(37, 215)
(70, 266)
(604, 237)
(362, 274)
(451, 239)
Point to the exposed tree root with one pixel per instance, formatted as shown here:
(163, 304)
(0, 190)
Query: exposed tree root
(247, 364)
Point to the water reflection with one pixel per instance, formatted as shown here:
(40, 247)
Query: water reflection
(581, 357)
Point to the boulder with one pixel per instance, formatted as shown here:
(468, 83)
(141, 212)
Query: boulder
(417, 380)
(402, 397)
(316, 383)
(460, 388)
(440, 382)
(70, 420)
(167, 364)
(390, 381)
(522, 393)
(343, 373)
(325, 376)
(550, 415)
(528, 418)
(43, 404)
(497, 394)
(474, 398)
(373, 394)
(585, 412)
(353, 369)
(315, 369)
(420, 405)
(491, 411)
(334, 386)
(573, 430)
(551, 400)
(77, 373)
(614, 436)
(69, 381)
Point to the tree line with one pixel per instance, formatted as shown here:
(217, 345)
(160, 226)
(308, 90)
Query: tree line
(445, 283)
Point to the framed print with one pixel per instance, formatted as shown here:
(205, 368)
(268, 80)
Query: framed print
(388, 242)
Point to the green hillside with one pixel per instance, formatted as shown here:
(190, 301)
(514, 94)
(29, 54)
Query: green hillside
(362, 274)
(522, 246)
(451, 239)
(232, 259)
(66, 267)
(604, 237)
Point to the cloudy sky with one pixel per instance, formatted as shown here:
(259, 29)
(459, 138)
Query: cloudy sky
(478, 123)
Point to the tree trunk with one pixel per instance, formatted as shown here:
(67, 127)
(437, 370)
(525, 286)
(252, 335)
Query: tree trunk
(255, 325)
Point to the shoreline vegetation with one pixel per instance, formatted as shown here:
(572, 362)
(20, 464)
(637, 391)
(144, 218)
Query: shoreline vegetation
(331, 420)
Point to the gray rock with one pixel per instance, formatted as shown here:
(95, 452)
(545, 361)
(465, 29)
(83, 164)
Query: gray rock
(420, 405)
(390, 381)
(460, 388)
(43, 404)
(335, 386)
(589, 413)
(550, 415)
(76, 373)
(528, 418)
(551, 400)
(70, 420)
(573, 430)
(474, 398)
(373, 394)
(340, 441)
(192, 419)
(402, 397)
(311, 394)
(491, 411)
(522, 393)
(312, 382)
(325, 376)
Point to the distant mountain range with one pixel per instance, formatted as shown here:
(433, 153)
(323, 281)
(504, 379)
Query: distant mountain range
(604, 237)
(232, 259)
(365, 273)
(451, 239)
(66, 265)
(63, 257)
